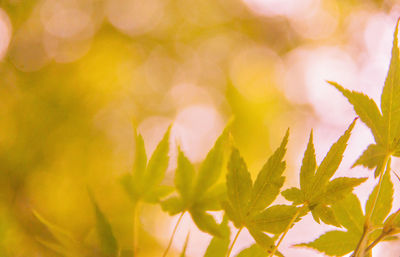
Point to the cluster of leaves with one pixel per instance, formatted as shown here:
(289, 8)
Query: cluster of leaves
(250, 206)
(352, 218)
(198, 193)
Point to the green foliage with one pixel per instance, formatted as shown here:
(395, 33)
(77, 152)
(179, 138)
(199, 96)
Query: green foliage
(252, 251)
(350, 215)
(247, 202)
(219, 245)
(384, 126)
(108, 243)
(384, 200)
(144, 182)
(199, 193)
(317, 192)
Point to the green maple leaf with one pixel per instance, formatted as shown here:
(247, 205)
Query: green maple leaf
(199, 193)
(253, 251)
(144, 182)
(218, 246)
(384, 123)
(349, 214)
(317, 192)
(107, 241)
(384, 200)
(392, 224)
(247, 203)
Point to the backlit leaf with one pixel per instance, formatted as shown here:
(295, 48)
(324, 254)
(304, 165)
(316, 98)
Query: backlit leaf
(339, 188)
(184, 176)
(349, 214)
(330, 163)
(205, 222)
(334, 243)
(106, 237)
(173, 205)
(253, 251)
(158, 163)
(140, 160)
(274, 219)
(390, 103)
(308, 166)
(294, 195)
(154, 195)
(372, 157)
(211, 167)
(324, 213)
(232, 214)
(366, 109)
(199, 193)
(384, 201)
(143, 183)
(211, 200)
(239, 183)
(218, 246)
(262, 239)
(131, 188)
(269, 180)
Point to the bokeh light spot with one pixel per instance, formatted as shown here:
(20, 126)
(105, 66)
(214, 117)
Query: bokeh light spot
(5, 33)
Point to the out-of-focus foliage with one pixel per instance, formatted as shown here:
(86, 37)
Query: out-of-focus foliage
(198, 192)
(74, 73)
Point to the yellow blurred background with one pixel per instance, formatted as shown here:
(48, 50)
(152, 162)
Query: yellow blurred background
(75, 75)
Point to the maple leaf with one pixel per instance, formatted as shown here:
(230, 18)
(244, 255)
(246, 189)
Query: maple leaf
(317, 192)
(199, 193)
(143, 184)
(247, 203)
(350, 215)
(385, 123)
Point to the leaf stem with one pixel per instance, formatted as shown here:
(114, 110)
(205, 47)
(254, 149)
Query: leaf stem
(387, 230)
(375, 242)
(135, 228)
(287, 229)
(173, 234)
(233, 242)
(360, 249)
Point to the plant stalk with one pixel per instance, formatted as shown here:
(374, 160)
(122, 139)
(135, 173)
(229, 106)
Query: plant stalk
(135, 231)
(385, 232)
(360, 249)
(287, 230)
(173, 234)
(375, 242)
(233, 242)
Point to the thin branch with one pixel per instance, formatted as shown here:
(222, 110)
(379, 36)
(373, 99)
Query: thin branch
(173, 234)
(287, 229)
(362, 242)
(233, 242)
(135, 228)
